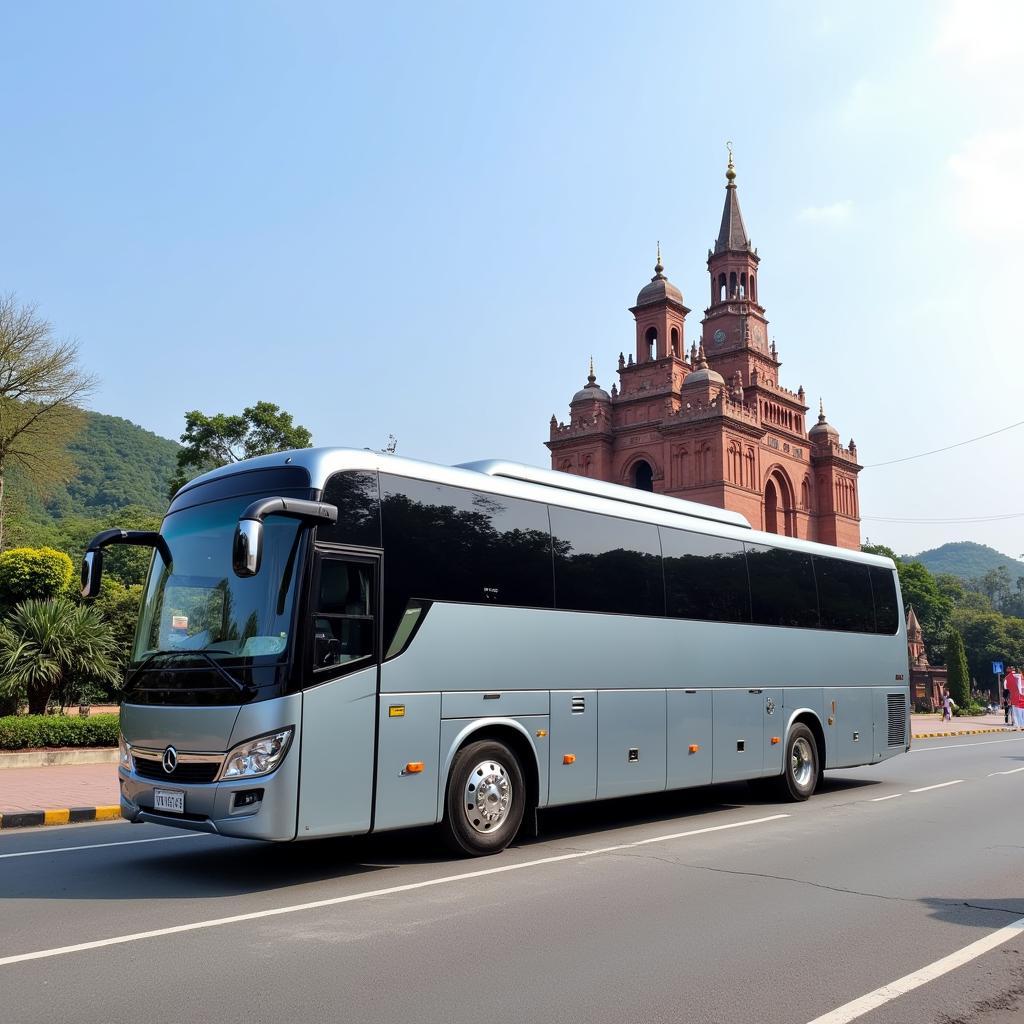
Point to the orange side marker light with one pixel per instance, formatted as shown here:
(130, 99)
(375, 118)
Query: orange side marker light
(414, 768)
(776, 739)
(694, 747)
(568, 759)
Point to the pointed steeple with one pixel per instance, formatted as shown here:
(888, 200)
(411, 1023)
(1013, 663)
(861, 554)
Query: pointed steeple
(732, 235)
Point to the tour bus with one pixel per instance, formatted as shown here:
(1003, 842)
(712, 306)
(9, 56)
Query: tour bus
(336, 642)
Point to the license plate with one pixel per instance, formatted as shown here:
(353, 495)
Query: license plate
(169, 800)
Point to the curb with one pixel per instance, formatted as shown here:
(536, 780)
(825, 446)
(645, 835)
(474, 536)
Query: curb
(58, 816)
(57, 755)
(962, 732)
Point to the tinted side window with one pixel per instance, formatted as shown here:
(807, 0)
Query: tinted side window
(453, 544)
(844, 595)
(705, 577)
(603, 564)
(883, 588)
(782, 590)
(355, 494)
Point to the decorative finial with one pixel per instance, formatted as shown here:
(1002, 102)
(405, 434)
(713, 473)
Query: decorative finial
(821, 411)
(730, 173)
(590, 377)
(658, 268)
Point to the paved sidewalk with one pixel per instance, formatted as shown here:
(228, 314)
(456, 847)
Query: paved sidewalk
(922, 726)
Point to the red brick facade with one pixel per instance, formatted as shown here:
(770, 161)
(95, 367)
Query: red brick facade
(714, 425)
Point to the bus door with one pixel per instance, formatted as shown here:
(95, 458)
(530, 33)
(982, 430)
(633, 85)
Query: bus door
(340, 694)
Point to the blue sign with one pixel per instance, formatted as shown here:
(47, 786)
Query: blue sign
(997, 668)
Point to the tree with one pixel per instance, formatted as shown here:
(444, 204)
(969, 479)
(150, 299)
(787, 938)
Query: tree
(933, 608)
(48, 646)
(39, 573)
(958, 678)
(41, 388)
(220, 440)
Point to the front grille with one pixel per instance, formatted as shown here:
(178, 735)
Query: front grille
(897, 720)
(185, 771)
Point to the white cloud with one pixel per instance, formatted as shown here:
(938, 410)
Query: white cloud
(983, 36)
(982, 204)
(833, 215)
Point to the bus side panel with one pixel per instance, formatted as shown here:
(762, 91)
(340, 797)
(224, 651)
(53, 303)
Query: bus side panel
(689, 724)
(573, 734)
(406, 798)
(773, 702)
(336, 786)
(630, 742)
(739, 734)
(849, 737)
(891, 715)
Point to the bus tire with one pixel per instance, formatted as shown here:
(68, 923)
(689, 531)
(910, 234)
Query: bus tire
(485, 799)
(801, 769)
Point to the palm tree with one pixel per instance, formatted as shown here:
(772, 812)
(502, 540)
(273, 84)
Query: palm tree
(46, 645)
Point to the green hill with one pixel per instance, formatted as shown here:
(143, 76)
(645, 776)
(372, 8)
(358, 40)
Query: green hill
(966, 560)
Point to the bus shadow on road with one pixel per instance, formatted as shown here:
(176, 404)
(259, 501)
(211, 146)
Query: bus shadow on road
(985, 914)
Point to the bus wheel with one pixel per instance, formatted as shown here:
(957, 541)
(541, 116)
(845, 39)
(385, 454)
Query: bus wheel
(801, 770)
(486, 799)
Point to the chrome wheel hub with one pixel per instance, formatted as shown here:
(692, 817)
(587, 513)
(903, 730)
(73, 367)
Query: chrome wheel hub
(802, 763)
(488, 797)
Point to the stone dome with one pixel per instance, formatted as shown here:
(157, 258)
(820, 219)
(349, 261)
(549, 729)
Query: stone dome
(591, 391)
(660, 289)
(703, 374)
(822, 429)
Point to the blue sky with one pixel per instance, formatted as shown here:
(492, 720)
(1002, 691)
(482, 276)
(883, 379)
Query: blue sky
(423, 219)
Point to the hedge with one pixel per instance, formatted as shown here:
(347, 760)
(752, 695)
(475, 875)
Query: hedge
(18, 732)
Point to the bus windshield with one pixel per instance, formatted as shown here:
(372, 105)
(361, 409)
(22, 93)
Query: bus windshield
(199, 604)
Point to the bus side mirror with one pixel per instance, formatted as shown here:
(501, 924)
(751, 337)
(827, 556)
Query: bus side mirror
(247, 548)
(92, 572)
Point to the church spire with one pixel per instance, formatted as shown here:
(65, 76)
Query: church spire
(732, 235)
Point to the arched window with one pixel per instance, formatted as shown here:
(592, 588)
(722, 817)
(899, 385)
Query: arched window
(675, 342)
(753, 288)
(743, 286)
(732, 285)
(721, 288)
(651, 342)
(643, 476)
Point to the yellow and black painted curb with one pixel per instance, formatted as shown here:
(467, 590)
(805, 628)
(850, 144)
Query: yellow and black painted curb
(58, 816)
(962, 732)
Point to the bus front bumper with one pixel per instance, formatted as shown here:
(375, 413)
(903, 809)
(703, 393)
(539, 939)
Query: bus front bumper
(263, 807)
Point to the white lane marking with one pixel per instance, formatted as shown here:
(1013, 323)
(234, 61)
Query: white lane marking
(858, 1007)
(117, 940)
(960, 746)
(879, 799)
(938, 785)
(1012, 771)
(100, 846)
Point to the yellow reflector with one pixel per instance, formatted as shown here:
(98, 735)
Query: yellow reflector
(568, 759)
(414, 767)
(694, 747)
(396, 711)
(542, 733)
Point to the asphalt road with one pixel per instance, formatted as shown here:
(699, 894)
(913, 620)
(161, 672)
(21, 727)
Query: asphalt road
(710, 905)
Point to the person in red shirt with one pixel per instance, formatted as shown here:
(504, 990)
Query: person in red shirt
(1015, 684)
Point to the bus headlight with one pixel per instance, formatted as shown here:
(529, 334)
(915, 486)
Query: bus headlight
(124, 751)
(258, 756)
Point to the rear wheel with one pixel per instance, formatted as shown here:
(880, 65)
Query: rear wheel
(801, 768)
(485, 799)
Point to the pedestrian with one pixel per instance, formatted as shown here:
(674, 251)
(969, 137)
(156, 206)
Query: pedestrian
(1006, 703)
(947, 706)
(1016, 696)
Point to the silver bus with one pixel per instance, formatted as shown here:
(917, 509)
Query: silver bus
(335, 642)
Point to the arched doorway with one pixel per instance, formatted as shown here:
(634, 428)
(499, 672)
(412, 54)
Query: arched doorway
(643, 476)
(779, 514)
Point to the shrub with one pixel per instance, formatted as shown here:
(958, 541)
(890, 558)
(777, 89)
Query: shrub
(33, 573)
(24, 731)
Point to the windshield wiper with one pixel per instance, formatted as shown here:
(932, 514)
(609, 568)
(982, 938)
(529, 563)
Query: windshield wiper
(144, 665)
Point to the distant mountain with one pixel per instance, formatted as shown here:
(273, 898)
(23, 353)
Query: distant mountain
(119, 464)
(966, 560)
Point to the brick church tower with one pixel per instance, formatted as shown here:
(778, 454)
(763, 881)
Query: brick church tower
(714, 424)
